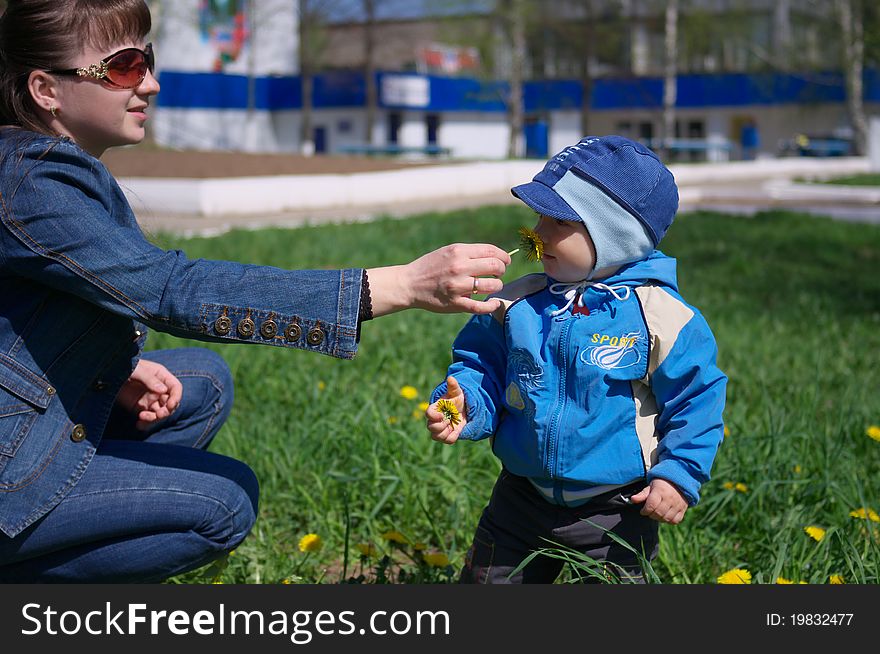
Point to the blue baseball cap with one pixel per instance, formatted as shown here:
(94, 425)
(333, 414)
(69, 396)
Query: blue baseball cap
(617, 187)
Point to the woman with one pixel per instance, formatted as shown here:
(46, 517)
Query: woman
(94, 482)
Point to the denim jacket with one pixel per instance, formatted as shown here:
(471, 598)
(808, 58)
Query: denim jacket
(80, 284)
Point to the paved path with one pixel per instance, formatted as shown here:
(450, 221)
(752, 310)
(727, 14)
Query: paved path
(739, 188)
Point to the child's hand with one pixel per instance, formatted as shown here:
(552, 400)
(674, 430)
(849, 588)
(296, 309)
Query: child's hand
(663, 502)
(151, 393)
(439, 425)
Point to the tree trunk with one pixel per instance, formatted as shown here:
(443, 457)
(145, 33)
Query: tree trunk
(587, 68)
(852, 31)
(306, 78)
(670, 74)
(516, 119)
(372, 95)
(306, 141)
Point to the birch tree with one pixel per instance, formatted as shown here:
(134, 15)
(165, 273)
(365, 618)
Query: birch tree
(850, 16)
(670, 75)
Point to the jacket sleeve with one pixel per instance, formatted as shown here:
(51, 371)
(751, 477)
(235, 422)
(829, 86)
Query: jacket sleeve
(66, 224)
(479, 361)
(690, 391)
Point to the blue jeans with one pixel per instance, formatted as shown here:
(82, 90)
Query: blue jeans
(151, 504)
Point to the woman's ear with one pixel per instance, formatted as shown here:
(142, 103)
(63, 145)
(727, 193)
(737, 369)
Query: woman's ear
(43, 89)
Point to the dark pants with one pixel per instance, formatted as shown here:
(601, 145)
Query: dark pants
(518, 521)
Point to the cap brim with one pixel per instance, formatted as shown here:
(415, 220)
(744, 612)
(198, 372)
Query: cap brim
(545, 201)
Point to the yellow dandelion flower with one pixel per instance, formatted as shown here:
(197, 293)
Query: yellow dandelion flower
(367, 549)
(816, 533)
(797, 469)
(736, 576)
(409, 392)
(419, 547)
(395, 537)
(310, 543)
(217, 582)
(449, 411)
(865, 514)
(873, 432)
(783, 580)
(741, 487)
(531, 242)
(836, 579)
(726, 431)
(285, 581)
(392, 420)
(423, 406)
(435, 559)
(728, 485)
(321, 386)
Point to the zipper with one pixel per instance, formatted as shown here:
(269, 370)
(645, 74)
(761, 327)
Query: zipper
(552, 443)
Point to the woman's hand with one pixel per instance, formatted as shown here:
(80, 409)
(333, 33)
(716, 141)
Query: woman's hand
(151, 393)
(442, 281)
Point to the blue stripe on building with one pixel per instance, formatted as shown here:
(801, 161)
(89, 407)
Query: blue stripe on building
(347, 89)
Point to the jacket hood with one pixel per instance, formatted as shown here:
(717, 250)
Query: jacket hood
(655, 268)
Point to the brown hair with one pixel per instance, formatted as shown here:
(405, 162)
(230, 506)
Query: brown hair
(45, 34)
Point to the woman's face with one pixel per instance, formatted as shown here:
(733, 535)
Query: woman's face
(97, 116)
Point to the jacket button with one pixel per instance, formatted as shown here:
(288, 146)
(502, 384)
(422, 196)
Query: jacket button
(246, 328)
(316, 336)
(50, 390)
(78, 434)
(222, 325)
(268, 329)
(293, 332)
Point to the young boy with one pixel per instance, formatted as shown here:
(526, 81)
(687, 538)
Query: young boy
(596, 381)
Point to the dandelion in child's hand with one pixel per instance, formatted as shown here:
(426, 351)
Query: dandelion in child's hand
(736, 576)
(449, 411)
(816, 533)
(531, 242)
(310, 543)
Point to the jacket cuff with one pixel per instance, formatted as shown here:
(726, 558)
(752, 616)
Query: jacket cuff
(676, 473)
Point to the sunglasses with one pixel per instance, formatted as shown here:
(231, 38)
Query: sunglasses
(125, 69)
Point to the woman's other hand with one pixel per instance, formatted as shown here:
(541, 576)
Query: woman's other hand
(151, 393)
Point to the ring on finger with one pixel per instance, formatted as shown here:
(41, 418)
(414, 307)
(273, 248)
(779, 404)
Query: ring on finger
(475, 290)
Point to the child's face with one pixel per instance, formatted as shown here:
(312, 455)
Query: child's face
(569, 253)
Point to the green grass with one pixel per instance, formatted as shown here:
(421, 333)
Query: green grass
(794, 302)
(866, 179)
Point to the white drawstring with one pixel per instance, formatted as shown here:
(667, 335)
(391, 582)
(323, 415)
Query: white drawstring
(573, 290)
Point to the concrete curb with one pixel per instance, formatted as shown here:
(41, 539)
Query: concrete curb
(277, 194)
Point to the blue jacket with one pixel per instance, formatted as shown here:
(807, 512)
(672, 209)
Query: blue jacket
(79, 285)
(575, 397)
